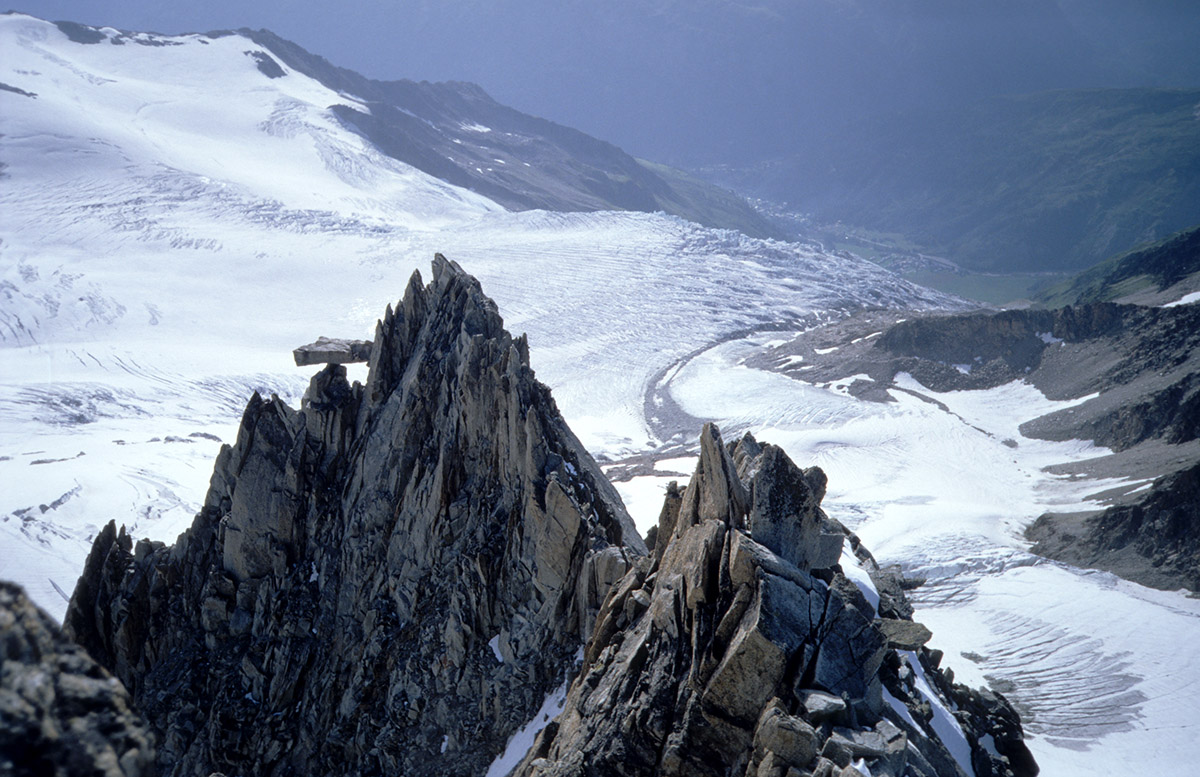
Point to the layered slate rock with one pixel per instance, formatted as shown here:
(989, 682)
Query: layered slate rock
(60, 712)
(389, 580)
(740, 648)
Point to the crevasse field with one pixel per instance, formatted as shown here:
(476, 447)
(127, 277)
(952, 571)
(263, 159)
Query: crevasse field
(173, 223)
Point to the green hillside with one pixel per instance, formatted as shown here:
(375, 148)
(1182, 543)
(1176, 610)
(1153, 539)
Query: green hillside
(1153, 267)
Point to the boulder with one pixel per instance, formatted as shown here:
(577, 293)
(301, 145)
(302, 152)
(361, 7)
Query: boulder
(903, 634)
(328, 350)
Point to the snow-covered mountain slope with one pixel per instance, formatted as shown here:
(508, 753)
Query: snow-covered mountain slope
(173, 221)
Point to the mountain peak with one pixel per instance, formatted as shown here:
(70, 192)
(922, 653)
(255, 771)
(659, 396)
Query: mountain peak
(406, 567)
(742, 647)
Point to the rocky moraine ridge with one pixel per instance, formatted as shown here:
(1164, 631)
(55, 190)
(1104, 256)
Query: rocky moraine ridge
(392, 580)
(1137, 367)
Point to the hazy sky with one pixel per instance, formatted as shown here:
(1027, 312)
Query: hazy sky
(699, 81)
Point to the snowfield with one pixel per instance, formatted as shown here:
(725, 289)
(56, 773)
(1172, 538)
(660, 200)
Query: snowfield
(173, 222)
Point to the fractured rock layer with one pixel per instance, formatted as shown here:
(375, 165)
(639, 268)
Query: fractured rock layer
(388, 580)
(739, 647)
(60, 712)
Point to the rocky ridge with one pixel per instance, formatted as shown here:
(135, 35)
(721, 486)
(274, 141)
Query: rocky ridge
(388, 580)
(1155, 274)
(61, 713)
(395, 577)
(740, 647)
(1155, 540)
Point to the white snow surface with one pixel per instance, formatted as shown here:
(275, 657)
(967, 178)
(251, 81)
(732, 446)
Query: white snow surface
(943, 721)
(173, 223)
(494, 644)
(859, 576)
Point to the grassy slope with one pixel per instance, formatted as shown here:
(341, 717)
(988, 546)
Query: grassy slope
(1158, 265)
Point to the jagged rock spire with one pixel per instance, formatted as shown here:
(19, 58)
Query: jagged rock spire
(392, 578)
(388, 580)
(739, 648)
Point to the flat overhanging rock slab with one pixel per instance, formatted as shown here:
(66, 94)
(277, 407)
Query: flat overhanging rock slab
(328, 350)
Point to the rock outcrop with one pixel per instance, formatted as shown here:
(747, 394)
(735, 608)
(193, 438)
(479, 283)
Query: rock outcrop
(1136, 372)
(1155, 541)
(393, 579)
(329, 350)
(61, 714)
(389, 580)
(740, 648)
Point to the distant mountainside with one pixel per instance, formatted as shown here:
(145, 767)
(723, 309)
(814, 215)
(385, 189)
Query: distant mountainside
(735, 81)
(1038, 182)
(1150, 275)
(456, 132)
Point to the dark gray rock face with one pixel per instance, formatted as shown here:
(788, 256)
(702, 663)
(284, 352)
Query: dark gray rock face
(1155, 541)
(386, 581)
(723, 654)
(60, 712)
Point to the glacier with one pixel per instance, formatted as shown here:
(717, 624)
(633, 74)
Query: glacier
(173, 222)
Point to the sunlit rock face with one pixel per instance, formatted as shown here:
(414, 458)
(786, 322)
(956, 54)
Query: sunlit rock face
(740, 647)
(388, 580)
(395, 577)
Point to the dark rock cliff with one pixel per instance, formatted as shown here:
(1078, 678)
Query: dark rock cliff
(61, 714)
(1155, 541)
(388, 580)
(739, 648)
